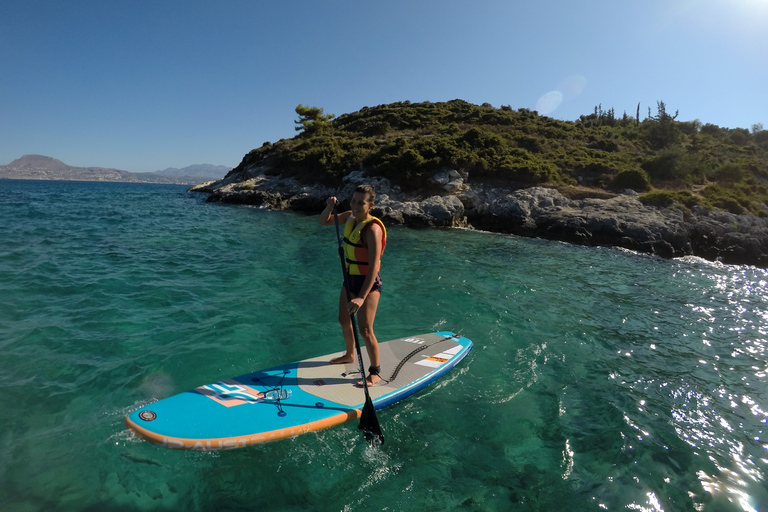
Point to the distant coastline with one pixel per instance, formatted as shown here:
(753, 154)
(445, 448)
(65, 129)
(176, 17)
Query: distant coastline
(39, 167)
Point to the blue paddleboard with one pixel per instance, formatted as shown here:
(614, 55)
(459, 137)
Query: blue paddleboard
(289, 400)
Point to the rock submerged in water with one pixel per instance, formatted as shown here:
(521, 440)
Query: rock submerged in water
(620, 221)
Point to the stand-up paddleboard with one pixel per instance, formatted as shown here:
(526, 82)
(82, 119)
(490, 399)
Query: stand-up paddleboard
(289, 400)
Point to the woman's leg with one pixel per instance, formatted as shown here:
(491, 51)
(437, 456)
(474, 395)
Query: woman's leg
(365, 317)
(346, 328)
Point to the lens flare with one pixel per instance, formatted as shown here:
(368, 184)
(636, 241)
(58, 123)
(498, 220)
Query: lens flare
(568, 89)
(572, 86)
(549, 102)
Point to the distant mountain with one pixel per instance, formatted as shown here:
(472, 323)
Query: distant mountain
(38, 162)
(39, 167)
(205, 172)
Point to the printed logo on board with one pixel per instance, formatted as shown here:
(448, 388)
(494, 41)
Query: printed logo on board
(438, 360)
(230, 393)
(147, 415)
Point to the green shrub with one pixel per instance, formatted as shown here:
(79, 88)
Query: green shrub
(380, 128)
(482, 140)
(739, 136)
(730, 199)
(729, 172)
(529, 143)
(636, 179)
(658, 198)
(711, 129)
(674, 163)
(667, 198)
(525, 168)
(320, 157)
(731, 205)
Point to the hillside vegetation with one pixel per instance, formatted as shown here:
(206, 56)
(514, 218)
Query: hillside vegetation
(667, 161)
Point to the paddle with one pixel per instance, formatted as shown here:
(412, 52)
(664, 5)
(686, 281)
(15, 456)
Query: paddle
(369, 423)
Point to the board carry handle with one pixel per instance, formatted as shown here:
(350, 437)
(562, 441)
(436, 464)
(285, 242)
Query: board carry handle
(369, 423)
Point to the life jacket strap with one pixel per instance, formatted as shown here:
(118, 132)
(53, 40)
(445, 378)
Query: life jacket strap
(349, 242)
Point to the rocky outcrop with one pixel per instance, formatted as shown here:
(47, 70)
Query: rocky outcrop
(621, 221)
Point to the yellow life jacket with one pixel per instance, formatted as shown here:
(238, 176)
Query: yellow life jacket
(355, 253)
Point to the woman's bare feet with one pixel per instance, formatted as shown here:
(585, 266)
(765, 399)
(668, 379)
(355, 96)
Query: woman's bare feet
(372, 379)
(345, 359)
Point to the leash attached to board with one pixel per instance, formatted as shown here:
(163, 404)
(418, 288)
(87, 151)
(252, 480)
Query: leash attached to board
(369, 423)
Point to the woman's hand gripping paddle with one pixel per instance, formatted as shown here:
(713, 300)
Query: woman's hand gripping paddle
(369, 423)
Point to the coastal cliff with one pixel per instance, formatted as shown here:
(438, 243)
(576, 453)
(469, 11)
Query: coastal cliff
(615, 220)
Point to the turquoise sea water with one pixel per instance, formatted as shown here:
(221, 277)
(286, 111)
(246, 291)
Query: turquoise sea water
(600, 379)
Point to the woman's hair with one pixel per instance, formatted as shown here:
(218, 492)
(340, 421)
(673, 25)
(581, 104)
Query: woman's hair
(367, 189)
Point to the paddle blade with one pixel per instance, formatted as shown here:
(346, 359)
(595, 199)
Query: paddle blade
(369, 424)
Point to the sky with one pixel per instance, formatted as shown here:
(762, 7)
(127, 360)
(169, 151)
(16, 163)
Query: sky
(142, 85)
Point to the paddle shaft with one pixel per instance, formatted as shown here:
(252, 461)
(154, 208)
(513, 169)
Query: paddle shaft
(369, 423)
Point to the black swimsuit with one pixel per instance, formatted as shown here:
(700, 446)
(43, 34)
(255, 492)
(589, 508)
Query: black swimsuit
(356, 283)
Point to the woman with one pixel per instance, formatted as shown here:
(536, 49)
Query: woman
(364, 241)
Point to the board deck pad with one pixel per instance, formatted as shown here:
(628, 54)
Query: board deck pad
(233, 413)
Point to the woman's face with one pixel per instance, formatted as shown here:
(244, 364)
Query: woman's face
(360, 205)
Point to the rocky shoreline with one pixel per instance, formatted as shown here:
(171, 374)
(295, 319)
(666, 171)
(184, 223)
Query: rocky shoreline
(618, 221)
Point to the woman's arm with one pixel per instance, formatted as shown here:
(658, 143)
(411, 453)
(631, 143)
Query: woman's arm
(326, 218)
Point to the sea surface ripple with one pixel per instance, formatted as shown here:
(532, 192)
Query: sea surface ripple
(600, 380)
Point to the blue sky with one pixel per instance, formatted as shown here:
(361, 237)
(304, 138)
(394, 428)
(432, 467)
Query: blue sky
(142, 85)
